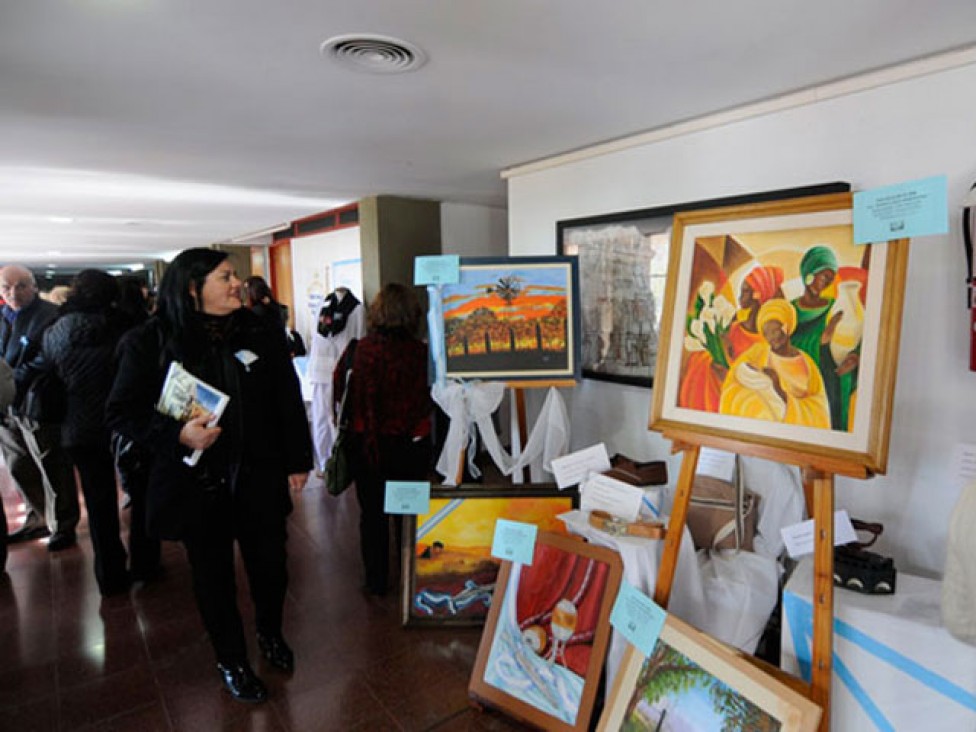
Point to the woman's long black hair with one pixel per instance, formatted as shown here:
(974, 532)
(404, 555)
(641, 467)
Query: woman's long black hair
(175, 307)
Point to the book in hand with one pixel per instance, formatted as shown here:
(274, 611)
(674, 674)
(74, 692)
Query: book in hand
(185, 397)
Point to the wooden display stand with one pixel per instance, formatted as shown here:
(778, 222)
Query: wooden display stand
(818, 486)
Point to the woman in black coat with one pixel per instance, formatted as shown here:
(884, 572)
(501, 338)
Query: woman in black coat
(239, 489)
(81, 346)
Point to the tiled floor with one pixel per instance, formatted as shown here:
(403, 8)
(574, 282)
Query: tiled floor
(70, 660)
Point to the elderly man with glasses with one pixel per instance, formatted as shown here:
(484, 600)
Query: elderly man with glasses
(33, 450)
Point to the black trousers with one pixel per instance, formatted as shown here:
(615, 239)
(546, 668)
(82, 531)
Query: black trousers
(261, 535)
(144, 549)
(401, 458)
(3, 538)
(97, 472)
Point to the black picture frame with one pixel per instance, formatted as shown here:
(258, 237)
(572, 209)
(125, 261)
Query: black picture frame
(512, 319)
(620, 306)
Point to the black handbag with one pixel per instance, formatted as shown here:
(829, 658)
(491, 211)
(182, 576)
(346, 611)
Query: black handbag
(338, 468)
(46, 398)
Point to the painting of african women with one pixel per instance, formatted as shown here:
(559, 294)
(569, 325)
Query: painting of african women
(512, 319)
(674, 693)
(544, 637)
(453, 574)
(773, 326)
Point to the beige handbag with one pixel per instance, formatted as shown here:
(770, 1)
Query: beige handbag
(722, 514)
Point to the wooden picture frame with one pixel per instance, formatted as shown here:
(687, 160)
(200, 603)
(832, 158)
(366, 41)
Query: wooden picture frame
(700, 684)
(512, 318)
(448, 573)
(623, 269)
(545, 641)
(813, 389)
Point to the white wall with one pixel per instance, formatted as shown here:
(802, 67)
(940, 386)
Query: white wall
(474, 231)
(908, 130)
(320, 263)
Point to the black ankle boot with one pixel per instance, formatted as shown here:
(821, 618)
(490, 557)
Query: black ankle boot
(276, 651)
(242, 683)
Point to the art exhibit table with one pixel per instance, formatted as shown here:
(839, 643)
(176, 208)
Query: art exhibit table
(641, 558)
(895, 666)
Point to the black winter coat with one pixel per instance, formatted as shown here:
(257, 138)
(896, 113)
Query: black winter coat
(81, 348)
(20, 342)
(264, 438)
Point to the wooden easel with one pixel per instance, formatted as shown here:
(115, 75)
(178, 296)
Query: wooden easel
(519, 388)
(818, 488)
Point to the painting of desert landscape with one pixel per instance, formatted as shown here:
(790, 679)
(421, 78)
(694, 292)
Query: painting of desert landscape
(512, 319)
(674, 694)
(454, 574)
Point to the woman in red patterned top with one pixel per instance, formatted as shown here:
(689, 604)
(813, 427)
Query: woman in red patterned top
(390, 416)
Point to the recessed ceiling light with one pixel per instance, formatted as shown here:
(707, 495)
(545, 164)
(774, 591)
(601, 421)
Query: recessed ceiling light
(60, 219)
(373, 54)
(54, 253)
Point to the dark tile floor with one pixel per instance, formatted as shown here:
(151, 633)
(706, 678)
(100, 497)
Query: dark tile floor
(70, 660)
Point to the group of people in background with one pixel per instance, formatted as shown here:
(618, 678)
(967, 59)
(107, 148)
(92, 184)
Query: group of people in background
(110, 357)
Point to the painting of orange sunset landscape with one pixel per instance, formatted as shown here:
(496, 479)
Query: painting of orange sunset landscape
(512, 318)
(449, 571)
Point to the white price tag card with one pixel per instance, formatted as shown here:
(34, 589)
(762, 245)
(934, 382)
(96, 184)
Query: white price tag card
(599, 492)
(799, 537)
(572, 469)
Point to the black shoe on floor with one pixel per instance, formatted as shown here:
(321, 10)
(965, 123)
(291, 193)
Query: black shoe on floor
(61, 540)
(242, 683)
(28, 533)
(276, 651)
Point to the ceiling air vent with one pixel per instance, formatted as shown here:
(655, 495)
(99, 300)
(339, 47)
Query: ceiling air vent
(373, 54)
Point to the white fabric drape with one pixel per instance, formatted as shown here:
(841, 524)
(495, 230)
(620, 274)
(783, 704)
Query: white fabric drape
(470, 406)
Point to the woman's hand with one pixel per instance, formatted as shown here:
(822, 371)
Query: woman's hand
(296, 481)
(197, 435)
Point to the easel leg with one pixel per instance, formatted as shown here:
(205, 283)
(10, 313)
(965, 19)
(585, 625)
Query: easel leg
(523, 425)
(679, 515)
(823, 592)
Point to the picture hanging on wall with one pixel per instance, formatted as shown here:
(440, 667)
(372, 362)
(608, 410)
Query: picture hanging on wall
(692, 682)
(512, 318)
(779, 331)
(623, 270)
(545, 640)
(623, 266)
(449, 573)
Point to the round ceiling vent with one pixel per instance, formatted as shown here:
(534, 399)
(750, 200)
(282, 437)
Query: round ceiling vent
(373, 54)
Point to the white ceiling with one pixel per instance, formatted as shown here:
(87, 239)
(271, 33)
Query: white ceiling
(160, 124)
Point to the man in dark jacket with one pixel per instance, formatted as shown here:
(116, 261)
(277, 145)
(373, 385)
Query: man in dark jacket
(33, 451)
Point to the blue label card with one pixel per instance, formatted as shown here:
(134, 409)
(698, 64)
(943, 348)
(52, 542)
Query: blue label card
(407, 497)
(444, 269)
(637, 617)
(915, 208)
(514, 541)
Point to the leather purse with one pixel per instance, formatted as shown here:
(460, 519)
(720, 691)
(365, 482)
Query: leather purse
(630, 471)
(338, 468)
(722, 514)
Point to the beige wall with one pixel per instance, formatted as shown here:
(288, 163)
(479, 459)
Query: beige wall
(394, 230)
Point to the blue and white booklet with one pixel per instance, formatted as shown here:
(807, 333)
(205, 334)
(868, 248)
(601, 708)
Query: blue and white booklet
(185, 397)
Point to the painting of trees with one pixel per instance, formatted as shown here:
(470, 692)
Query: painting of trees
(669, 678)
